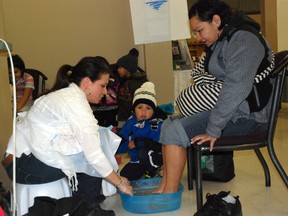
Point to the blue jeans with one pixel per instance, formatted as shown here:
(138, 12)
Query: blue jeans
(30, 170)
(179, 129)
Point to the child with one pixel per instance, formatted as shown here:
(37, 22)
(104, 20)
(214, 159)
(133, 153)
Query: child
(24, 83)
(141, 134)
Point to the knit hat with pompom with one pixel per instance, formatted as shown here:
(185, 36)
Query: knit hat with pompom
(146, 95)
(129, 61)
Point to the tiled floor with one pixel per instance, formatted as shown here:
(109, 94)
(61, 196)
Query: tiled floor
(256, 199)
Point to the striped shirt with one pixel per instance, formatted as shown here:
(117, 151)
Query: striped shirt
(26, 81)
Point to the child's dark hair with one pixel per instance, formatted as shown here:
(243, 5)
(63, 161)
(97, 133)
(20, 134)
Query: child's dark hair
(17, 62)
(91, 67)
(206, 9)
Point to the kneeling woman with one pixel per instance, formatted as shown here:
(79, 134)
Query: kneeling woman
(59, 135)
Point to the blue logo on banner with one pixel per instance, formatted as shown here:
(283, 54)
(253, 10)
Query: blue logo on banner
(156, 4)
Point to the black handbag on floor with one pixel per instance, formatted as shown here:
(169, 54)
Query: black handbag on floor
(217, 166)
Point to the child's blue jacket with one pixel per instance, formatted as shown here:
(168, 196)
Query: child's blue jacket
(134, 128)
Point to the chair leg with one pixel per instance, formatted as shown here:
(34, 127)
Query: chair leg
(190, 167)
(277, 164)
(265, 167)
(198, 179)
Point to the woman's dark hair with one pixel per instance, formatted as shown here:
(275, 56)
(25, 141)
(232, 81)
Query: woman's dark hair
(206, 9)
(91, 67)
(17, 62)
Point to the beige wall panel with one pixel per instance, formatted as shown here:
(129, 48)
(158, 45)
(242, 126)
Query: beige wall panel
(269, 10)
(158, 57)
(256, 17)
(48, 34)
(282, 6)
(5, 104)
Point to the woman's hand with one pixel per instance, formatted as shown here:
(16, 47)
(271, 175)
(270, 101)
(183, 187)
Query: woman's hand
(125, 180)
(202, 138)
(125, 187)
(121, 183)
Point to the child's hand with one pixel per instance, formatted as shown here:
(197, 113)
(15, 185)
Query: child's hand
(131, 145)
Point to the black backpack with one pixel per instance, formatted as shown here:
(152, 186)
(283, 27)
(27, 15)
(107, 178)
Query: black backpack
(260, 94)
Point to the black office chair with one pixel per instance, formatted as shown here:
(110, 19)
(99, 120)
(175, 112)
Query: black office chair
(248, 142)
(39, 82)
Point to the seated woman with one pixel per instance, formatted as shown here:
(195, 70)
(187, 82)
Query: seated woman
(236, 52)
(24, 84)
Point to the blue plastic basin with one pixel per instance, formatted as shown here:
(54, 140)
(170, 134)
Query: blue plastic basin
(143, 202)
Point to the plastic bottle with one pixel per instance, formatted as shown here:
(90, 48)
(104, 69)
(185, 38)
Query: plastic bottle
(204, 159)
(210, 163)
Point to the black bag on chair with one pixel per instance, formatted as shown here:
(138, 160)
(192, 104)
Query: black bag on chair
(217, 166)
(4, 202)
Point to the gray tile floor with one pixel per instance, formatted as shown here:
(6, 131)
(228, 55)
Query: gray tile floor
(256, 199)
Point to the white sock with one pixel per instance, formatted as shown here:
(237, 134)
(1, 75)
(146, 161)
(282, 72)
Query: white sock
(229, 199)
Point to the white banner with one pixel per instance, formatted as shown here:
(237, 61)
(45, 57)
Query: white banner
(159, 20)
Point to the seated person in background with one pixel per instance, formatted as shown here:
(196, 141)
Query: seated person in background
(24, 83)
(131, 79)
(141, 134)
(106, 111)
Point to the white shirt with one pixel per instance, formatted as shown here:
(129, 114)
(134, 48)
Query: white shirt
(61, 131)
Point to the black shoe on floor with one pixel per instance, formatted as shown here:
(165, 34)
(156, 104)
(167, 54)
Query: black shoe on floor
(230, 209)
(221, 204)
(91, 208)
(100, 198)
(101, 212)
